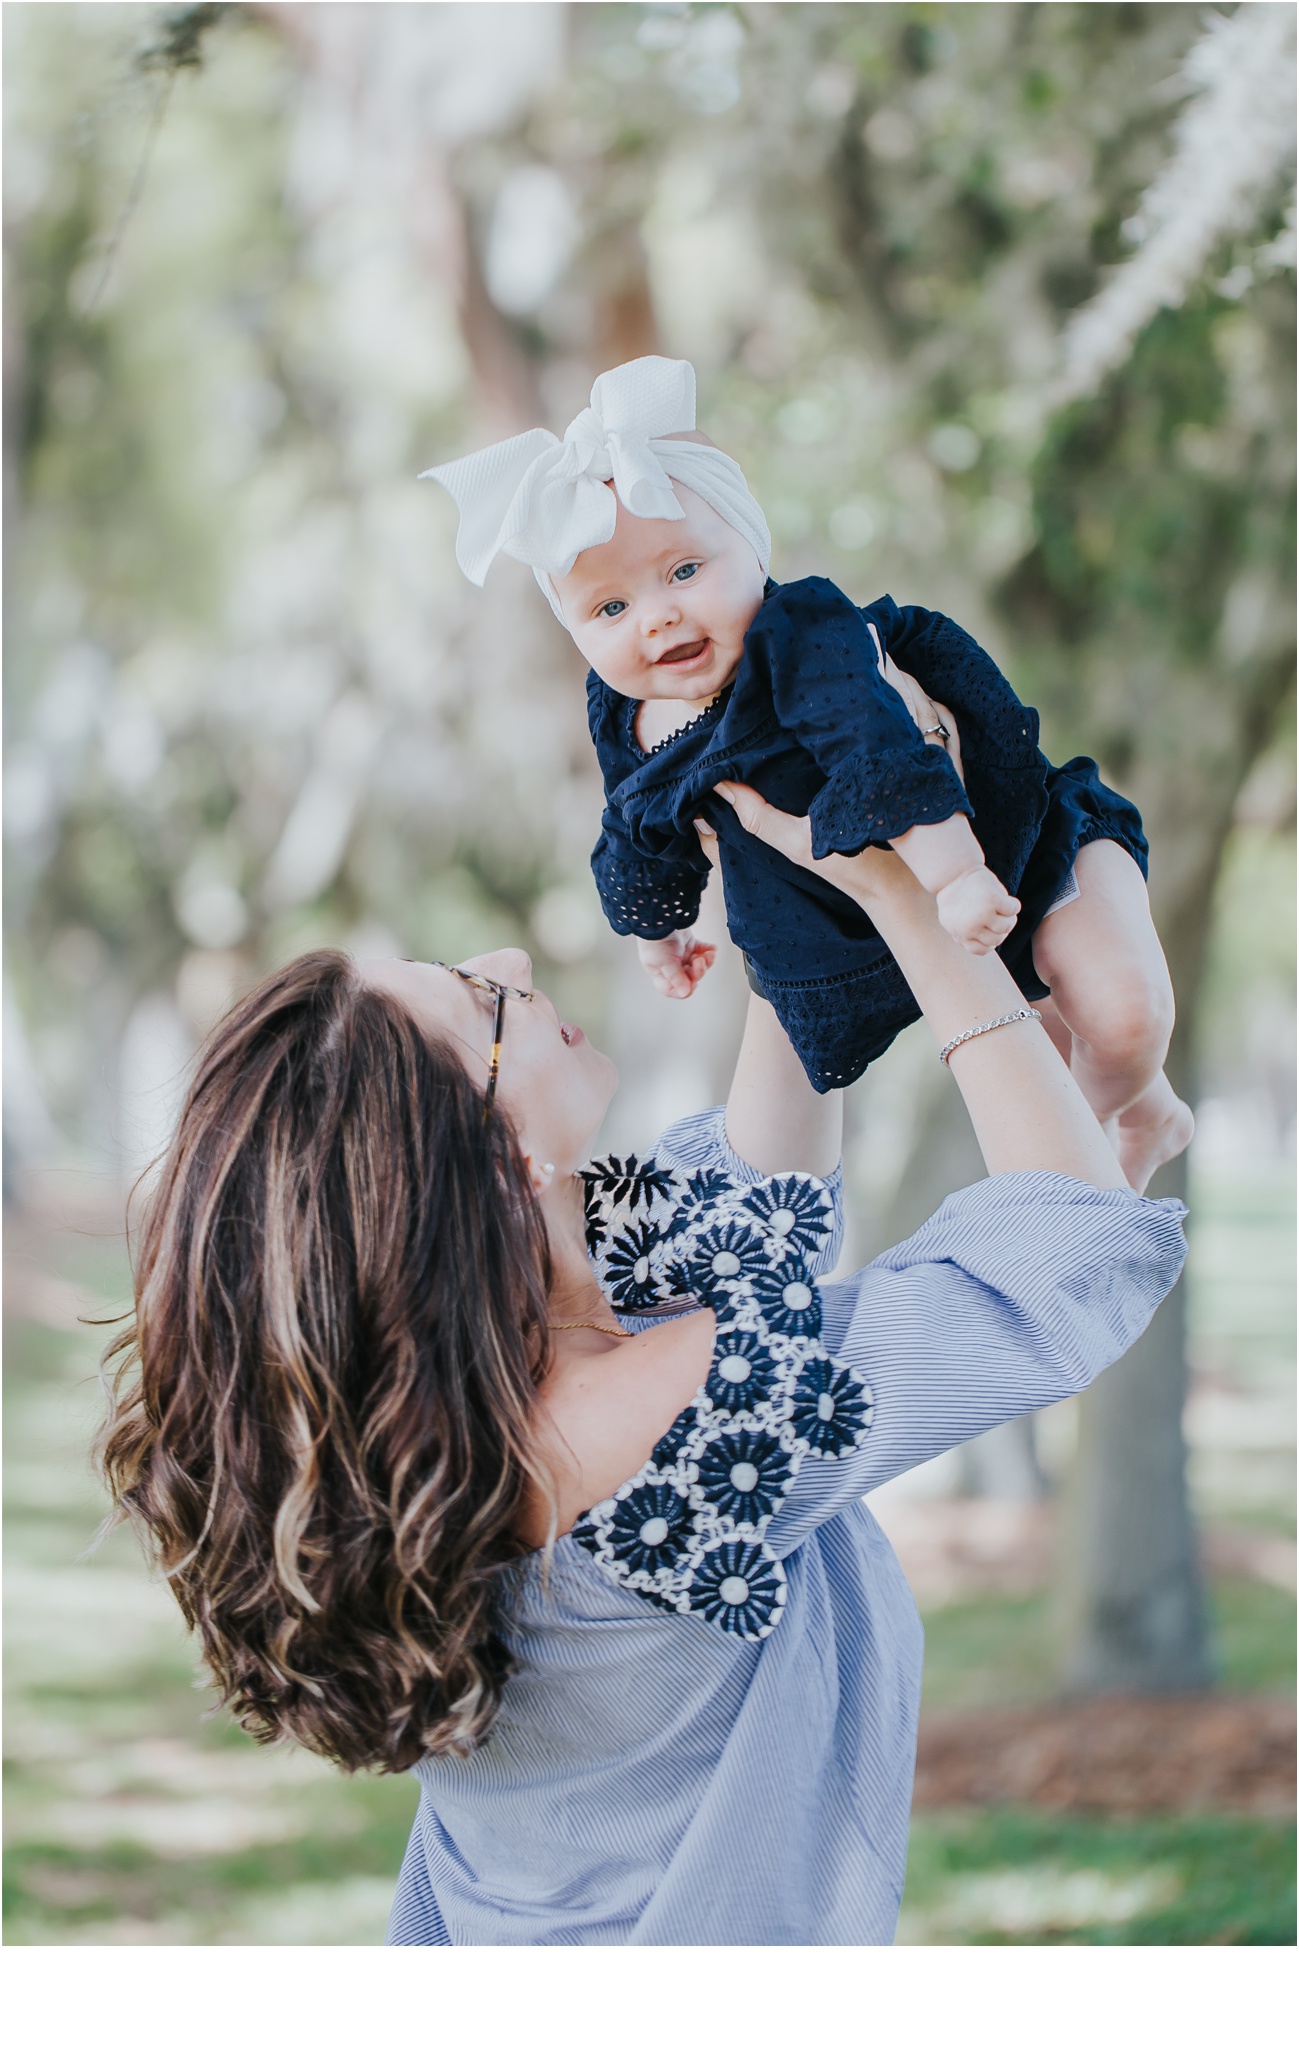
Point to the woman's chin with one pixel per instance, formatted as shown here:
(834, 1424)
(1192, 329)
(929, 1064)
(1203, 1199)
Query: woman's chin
(604, 1084)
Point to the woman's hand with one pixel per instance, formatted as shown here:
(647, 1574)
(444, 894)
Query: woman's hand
(863, 876)
(933, 720)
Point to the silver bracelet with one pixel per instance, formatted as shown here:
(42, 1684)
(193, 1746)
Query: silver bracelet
(1011, 1017)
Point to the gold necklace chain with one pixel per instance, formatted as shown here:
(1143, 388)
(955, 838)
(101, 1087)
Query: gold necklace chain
(603, 1328)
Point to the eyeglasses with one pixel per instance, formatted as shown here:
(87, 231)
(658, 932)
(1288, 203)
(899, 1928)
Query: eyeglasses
(500, 991)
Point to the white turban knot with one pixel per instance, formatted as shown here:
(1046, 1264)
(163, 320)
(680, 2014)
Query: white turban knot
(543, 500)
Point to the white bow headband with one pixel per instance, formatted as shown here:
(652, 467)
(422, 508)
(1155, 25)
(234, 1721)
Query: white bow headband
(543, 500)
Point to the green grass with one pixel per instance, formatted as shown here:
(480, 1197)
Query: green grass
(988, 1653)
(1015, 1878)
(331, 1883)
(1001, 1652)
(1253, 1635)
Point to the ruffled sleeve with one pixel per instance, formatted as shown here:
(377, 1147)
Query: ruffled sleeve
(649, 899)
(814, 650)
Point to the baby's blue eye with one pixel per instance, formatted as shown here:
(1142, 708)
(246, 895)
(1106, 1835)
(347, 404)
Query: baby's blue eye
(685, 572)
(612, 609)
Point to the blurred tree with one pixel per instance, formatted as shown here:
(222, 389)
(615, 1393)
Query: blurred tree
(944, 186)
(993, 303)
(1156, 592)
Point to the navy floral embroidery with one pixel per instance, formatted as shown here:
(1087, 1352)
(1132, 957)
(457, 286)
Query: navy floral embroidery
(722, 1257)
(797, 1211)
(703, 1188)
(627, 1269)
(743, 1476)
(742, 1374)
(688, 1532)
(649, 1530)
(612, 1184)
(740, 1587)
(829, 1408)
(787, 1299)
(668, 1449)
(631, 1180)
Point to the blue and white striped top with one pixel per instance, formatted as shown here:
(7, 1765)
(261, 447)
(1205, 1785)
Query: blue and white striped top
(709, 1733)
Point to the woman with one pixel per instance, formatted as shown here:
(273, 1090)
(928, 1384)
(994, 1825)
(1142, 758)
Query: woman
(606, 1583)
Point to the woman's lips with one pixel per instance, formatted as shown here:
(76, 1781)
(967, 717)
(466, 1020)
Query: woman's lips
(572, 1034)
(690, 654)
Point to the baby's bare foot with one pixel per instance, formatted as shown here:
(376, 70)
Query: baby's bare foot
(1151, 1131)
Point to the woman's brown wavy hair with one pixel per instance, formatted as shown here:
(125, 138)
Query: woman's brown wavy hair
(323, 1416)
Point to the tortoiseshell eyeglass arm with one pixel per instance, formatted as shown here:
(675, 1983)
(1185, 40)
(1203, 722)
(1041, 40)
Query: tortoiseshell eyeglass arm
(494, 1067)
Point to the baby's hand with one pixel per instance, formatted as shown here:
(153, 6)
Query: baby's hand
(976, 910)
(677, 965)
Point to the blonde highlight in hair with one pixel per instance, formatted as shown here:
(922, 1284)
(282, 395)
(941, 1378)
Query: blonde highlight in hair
(323, 1417)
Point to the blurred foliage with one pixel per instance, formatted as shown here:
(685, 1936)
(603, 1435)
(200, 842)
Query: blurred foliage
(251, 706)
(1252, 949)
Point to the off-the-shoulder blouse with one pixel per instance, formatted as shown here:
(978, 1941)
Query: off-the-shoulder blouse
(708, 1735)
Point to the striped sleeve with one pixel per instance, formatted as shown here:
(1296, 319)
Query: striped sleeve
(1017, 1292)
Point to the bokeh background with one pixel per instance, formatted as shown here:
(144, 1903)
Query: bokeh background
(995, 305)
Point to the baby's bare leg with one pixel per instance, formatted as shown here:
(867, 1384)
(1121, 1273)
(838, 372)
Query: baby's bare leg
(1109, 983)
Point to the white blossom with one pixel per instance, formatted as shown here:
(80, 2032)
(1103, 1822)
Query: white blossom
(1231, 143)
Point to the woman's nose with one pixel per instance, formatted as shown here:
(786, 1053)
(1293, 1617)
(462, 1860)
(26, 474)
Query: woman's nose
(510, 965)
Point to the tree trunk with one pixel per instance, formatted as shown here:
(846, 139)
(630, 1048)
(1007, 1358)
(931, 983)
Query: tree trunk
(1132, 1598)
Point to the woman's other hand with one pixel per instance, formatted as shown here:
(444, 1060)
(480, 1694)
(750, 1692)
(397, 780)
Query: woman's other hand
(859, 875)
(676, 965)
(933, 720)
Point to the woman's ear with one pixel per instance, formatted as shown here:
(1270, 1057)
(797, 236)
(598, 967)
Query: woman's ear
(540, 1173)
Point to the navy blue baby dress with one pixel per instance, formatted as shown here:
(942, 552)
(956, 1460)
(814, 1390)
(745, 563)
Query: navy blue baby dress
(811, 723)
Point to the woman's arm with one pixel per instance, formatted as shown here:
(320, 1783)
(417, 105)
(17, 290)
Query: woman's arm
(775, 1120)
(774, 1117)
(1028, 1112)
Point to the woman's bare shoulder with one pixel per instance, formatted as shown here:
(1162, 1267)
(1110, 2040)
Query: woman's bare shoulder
(604, 1411)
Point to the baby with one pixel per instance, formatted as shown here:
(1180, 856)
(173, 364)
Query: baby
(884, 725)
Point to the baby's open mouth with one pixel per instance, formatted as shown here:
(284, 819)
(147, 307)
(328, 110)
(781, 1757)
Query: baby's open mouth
(689, 650)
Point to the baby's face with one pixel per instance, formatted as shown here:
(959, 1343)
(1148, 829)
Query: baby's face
(661, 610)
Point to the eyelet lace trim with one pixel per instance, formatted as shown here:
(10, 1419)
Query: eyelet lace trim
(651, 899)
(710, 713)
(879, 796)
(688, 1531)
